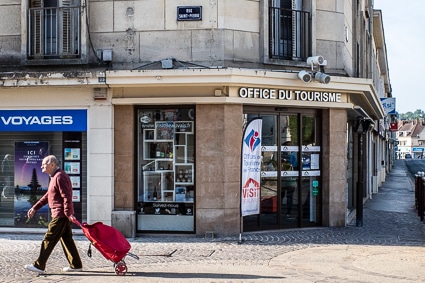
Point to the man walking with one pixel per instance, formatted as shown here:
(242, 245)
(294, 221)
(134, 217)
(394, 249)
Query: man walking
(59, 198)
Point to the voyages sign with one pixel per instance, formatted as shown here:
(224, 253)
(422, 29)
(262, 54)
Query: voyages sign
(66, 120)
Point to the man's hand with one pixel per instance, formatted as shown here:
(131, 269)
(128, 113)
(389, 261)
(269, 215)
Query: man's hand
(31, 212)
(71, 218)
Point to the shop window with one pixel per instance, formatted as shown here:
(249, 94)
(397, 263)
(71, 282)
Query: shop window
(166, 171)
(290, 170)
(22, 182)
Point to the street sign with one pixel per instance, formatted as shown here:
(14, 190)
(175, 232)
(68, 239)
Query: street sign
(189, 13)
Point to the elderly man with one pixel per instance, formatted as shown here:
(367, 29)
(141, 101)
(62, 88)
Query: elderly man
(59, 198)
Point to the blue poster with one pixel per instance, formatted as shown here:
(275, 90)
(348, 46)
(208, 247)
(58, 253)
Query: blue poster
(30, 183)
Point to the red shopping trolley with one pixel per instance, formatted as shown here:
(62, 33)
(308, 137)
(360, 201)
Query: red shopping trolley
(109, 242)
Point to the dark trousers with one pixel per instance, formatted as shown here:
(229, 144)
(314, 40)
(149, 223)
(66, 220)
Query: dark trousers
(59, 230)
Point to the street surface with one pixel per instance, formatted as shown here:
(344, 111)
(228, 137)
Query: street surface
(390, 247)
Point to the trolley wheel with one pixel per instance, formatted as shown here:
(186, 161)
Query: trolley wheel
(120, 268)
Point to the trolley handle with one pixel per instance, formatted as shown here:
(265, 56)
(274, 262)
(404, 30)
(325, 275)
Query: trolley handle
(133, 255)
(76, 222)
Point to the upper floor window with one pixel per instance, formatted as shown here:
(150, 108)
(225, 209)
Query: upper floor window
(289, 30)
(54, 29)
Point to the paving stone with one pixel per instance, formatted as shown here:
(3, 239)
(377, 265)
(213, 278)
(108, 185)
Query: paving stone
(389, 247)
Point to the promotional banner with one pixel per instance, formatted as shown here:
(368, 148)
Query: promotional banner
(30, 182)
(251, 168)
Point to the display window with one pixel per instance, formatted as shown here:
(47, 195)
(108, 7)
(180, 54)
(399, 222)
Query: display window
(26, 137)
(166, 171)
(290, 169)
(22, 182)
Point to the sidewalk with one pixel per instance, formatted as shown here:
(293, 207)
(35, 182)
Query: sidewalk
(388, 248)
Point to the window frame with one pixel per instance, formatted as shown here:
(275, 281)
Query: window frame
(81, 58)
(266, 30)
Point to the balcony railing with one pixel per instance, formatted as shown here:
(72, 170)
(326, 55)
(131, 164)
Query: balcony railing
(54, 33)
(289, 34)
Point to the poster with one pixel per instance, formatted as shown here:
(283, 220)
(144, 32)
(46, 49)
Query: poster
(30, 183)
(72, 167)
(251, 168)
(72, 153)
(75, 181)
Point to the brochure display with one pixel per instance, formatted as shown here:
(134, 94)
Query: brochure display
(166, 182)
(73, 166)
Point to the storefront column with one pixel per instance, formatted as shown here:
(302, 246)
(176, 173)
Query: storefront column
(123, 211)
(124, 157)
(100, 166)
(334, 167)
(218, 140)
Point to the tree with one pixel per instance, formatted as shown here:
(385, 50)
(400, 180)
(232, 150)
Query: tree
(418, 114)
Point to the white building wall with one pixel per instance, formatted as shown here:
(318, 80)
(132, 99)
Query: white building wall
(100, 193)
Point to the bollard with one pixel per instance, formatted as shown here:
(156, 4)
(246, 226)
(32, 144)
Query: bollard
(417, 179)
(421, 198)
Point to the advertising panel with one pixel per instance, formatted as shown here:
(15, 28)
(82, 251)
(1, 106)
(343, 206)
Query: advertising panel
(30, 183)
(251, 168)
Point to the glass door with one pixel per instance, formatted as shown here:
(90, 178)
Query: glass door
(290, 176)
(289, 170)
(268, 217)
(310, 186)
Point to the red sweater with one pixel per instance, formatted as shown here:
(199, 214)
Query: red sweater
(58, 196)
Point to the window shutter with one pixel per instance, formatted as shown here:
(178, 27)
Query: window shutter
(296, 29)
(36, 32)
(65, 43)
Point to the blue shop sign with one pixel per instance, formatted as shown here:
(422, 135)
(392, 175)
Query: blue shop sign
(74, 120)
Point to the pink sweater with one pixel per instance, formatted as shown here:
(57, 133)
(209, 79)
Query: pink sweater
(58, 196)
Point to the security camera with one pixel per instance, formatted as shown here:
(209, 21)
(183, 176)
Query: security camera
(322, 77)
(317, 60)
(304, 76)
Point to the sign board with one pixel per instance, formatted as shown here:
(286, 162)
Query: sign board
(63, 120)
(189, 13)
(393, 126)
(389, 105)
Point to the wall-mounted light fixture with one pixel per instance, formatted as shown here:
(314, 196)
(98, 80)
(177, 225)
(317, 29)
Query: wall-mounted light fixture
(363, 123)
(317, 75)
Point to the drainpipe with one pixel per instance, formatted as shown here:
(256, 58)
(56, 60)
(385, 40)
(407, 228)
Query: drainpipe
(370, 39)
(359, 198)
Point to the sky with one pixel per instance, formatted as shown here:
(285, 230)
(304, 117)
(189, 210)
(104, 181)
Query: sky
(404, 29)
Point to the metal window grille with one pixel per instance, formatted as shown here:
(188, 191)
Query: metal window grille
(54, 32)
(289, 34)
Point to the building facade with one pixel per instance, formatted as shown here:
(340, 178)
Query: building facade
(410, 138)
(145, 102)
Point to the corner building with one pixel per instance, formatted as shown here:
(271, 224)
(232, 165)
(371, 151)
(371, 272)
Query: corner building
(146, 110)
